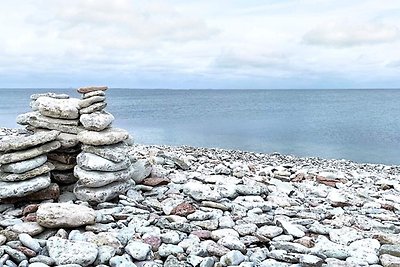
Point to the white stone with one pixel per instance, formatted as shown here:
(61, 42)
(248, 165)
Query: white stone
(24, 188)
(93, 162)
(96, 121)
(58, 108)
(58, 215)
(71, 252)
(138, 250)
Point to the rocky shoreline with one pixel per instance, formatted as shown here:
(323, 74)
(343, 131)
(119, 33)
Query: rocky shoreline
(212, 207)
(75, 191)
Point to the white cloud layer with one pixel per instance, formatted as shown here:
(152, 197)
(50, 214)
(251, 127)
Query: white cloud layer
(200, 44)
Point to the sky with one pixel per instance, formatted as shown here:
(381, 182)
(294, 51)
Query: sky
(183, 44)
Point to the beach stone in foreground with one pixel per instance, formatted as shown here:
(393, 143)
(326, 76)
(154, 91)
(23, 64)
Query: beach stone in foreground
(29, 153)
(98, 178)
(58, 108)
(23, 188)
(88, 89)
(93, 93)
(24, 166)
(58, 215)
(12, 143)
(49, 94)
(109, 136)
(71, 252)
(96, 121)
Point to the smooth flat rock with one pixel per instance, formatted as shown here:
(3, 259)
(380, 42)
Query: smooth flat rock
(71, 128)
(67, 140)
(84, 103)
(49, 94)
(71, 252)
(24, 166)
(59, 215)
(15, 177)
(13, 143)
(23, 188)
(28, 117)
(92, 162)
(96, 121)
(59, 108)
(107, 137)
(29, 153)
(93, 93)
(93, 108)
(98, 178)
(30, 228)
(88, 89)
(101, 194)
(117, 152)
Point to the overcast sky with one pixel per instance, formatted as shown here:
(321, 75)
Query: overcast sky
(200, 44)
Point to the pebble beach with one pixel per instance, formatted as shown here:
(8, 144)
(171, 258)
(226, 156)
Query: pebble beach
(187, 206)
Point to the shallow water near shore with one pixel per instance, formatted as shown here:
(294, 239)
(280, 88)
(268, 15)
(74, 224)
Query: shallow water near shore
(359, 125)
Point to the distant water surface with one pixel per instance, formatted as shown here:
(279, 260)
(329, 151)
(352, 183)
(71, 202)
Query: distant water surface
(360, 125)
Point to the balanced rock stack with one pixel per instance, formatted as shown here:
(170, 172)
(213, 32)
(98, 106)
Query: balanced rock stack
(103, 168)
(57, 112)
(24, 168)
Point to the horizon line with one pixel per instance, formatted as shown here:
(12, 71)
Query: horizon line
(138, 88)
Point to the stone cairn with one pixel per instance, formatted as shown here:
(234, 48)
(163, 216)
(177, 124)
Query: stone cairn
(24, 168)
(71, 142)
(57, 112)
(103, 167)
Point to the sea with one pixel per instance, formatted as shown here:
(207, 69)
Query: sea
(358, 125)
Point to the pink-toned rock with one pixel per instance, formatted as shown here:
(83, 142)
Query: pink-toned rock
(153, 241)
(88, 89)
(183, 209)
(202, 234)
(156, 181)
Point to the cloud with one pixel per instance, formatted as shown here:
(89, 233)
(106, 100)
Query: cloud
(351, 34)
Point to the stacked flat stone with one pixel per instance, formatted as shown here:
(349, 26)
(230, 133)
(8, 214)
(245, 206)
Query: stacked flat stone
(57, 112)
(24, 168)
(103, 168)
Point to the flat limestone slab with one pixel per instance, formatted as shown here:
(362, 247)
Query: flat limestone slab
(116, 152)
(101, 194)
(98, 178)
(43, 124)
(29, 117)
(52, 95)
(58, 108)
(14, 177)
(23, 188)
(13, 143)
(107, 137)
(25, 165)
(93, 108)
(93, 93)
(91, 100)
(29, 153)
(92, 162)
(88, 89)
(59, 215)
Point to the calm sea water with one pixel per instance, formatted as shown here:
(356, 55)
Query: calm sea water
(360, 125)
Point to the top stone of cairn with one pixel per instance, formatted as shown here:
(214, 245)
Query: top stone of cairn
(88, 89)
